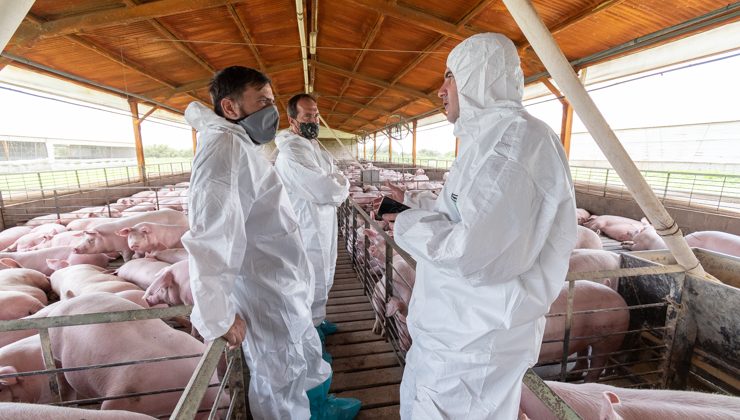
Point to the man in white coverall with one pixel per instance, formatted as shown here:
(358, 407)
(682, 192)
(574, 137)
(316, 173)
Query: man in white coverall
(249, 273)
(315, 189)
(492, 252)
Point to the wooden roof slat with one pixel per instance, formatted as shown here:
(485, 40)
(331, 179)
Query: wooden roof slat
(247, 37)
(416, 17)
(169, 34)
(578, 17)
(365, 45)
(114, 17)
(117, 58)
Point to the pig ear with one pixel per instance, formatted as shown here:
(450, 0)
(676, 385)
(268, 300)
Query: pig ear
(145, 229)
(69, 295)
(10, 263)
(90, 232)
(78, 233)
(606, 409)
(162, 280)
(124, 232)
(7, 370)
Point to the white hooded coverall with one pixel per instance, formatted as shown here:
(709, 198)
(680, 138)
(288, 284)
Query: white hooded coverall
(492, 254)
(316, 190)
(247, 258)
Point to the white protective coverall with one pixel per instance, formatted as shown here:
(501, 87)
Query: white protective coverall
(315, 189)
(493, 252)
(247, 258)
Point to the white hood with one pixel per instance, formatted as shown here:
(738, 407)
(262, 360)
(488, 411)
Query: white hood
(489, 82)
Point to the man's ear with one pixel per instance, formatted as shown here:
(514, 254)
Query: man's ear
(230, 108)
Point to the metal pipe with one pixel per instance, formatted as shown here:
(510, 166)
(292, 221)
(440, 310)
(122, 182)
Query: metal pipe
(87, 81)
(551, 400)
(552, 57)
(625, 272)
(593, 311)
(191, 398)
(11, 16)
(300, 15)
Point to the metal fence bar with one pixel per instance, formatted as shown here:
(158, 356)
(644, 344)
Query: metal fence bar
(49, 364)
(198, 385)
(552, 401)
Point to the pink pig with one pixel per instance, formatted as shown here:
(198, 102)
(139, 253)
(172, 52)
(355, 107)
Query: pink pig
(171, 286)
(171, 256)
(604, 402)
(9, 236)
(616, 227)
(16, 305)
(148, 237)
(16, 411)
(141, 271)
(723, 242)
(70, 281)
(588, 239)
(36, 260)
(24, 280)
(104, 238)
(585, 260)
(25, 356)
(105, 343)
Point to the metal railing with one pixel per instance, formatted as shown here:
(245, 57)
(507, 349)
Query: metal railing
(713, 193)
(27, 186)
(235, 379)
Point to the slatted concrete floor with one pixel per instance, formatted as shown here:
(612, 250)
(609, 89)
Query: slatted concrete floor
(365, 366)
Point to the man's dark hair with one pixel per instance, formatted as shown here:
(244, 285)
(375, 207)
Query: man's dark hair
(293, 103)
(231, 83)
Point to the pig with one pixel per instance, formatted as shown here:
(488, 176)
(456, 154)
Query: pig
(604, 402)
(9, 236)
(36, 260)
(148, 237)
(712, 240)
(69, 281)
(42, 220)
(25, 356)
(100, 260)
(170, 256)
(7, 337)
(616, 227)
(104, 343)
(587, 296)
(24, 280)
(645, 239)
(19, 411)
(85, 224)
(104, 238)
(35, 237)
(139, 208)
(16, 305)
(171, 286)
(587, 239)
(141, 271)
(585, 260)
(60, 239)
(582, 215)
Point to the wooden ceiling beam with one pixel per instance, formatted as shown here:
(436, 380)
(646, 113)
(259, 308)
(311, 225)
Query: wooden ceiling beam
(247, 37)
(416, 17)
(373, 81)
(169, 34)
(369, 39)
(460, 25)
(358, 105)
(117, 58)
(114, 17)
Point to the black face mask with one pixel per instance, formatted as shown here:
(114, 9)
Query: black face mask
(309, 130)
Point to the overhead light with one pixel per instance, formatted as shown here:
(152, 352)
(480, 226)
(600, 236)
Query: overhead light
(312, 42)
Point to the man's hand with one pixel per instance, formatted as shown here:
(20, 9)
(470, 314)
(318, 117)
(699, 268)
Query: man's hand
(235, 335)
(397, 191)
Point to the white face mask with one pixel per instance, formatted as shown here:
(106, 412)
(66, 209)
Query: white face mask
(262, 125)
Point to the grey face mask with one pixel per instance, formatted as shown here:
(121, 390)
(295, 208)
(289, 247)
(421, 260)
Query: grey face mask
(262, 125)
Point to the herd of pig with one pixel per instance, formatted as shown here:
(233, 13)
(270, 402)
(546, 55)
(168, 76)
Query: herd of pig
(602, 332)
(641, 235)
(68, 256)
